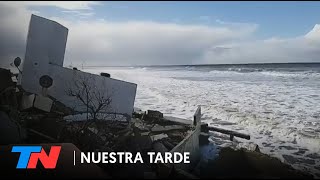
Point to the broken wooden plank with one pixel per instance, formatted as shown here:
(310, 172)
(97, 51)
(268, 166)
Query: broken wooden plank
(158, 137)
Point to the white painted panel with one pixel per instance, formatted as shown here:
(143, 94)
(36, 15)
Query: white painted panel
(46, 42)
(44, 56)
(122, 93)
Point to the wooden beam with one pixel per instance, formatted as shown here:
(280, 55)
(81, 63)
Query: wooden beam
(231, 133)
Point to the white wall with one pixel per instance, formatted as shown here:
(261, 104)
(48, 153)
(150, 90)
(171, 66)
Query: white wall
(46, 42)
(44, 56)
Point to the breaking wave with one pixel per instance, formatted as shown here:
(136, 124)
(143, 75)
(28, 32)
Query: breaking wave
(278, 108)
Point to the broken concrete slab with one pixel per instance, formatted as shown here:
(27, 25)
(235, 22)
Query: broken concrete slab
(36, 101)
(158, 128)
(43, 103)
(27, 101)
(60, 108)
(248, 146)
(145, 133)
(140, 126)
(154, 114)
(158, 137)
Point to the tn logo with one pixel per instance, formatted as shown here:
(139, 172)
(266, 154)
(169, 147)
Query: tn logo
(29, 156)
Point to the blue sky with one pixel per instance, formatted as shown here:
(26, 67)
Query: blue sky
(278, 19)
(164, 33)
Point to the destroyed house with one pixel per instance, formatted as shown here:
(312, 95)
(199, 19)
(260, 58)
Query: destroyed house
(43, 73)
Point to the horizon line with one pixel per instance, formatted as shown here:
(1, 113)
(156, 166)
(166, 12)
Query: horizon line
(199, 64)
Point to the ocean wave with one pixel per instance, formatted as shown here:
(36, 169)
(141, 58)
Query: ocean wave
(245, 70)
(291, 74)
(282, 118)
(240, 71)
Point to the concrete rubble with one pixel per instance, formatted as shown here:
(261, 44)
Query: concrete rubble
(36, 101)
(33, 119)
(39, 119)
(158, 137)
(43, 103)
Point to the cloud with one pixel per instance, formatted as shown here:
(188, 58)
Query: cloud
(144, 42)
(102, 42)
(234, 23)
(305, 48)
(314, 35)
(69, 5)
(78, 14)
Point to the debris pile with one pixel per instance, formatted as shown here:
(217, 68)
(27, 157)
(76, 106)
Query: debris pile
(146, 132)
(28, 118)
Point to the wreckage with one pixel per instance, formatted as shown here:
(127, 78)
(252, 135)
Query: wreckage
(53, 104)
(44, 59)
(82, 112)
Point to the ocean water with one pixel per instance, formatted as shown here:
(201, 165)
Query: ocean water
(277, 104)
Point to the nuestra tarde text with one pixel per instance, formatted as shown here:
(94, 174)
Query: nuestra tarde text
(127, 157)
